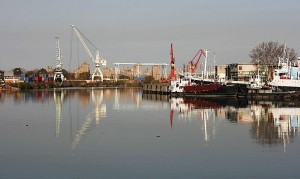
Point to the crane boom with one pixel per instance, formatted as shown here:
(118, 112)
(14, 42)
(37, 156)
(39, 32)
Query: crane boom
(193, 65)
(97, 59)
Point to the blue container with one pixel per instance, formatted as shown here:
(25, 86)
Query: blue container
(139, 78)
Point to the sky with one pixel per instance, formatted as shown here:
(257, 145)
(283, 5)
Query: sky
(142, 30)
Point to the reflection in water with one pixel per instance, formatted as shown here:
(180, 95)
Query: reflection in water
(130, 100)
(203, 110)
(98, 112)
(276, 125)
(270, 123)
(58, 99)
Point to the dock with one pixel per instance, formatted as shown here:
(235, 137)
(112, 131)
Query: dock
(271, 95)
(157, 88)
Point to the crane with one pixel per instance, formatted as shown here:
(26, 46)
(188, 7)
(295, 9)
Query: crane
(172, 74)
(193, 65)
(98, 59)
(58, 76)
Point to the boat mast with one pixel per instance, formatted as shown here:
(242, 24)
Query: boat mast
(205, 63)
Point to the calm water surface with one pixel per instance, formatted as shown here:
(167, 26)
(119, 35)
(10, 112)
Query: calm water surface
(121, 133)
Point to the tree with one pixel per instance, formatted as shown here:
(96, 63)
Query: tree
(84, 76)
(17, 71)
(42, 71)
(149, 79)
(68, 75)
(267, 53)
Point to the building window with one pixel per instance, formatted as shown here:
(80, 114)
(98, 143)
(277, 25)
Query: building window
(240, 68)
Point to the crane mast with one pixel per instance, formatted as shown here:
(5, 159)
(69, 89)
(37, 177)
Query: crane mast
(97, 60)
(58, 76)
(172, 73)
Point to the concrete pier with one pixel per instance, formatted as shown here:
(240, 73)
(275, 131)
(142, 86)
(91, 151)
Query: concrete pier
(156, 88)
(273, 96)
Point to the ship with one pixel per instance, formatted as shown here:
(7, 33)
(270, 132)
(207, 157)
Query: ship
(286, 77)
(185, 86)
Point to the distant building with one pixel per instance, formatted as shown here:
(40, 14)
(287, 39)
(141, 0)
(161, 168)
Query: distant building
(147, 72)
(240, 72)
(220, 72)
(156, 72)
(83, 68)
(50, 69)
(9, 76)
(137, 70)
(108, 73)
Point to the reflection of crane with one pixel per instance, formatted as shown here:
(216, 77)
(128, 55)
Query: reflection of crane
(100, 109)
(58, 76)
(194, 65)
(98, 59)
(98, 112)
(58, 98)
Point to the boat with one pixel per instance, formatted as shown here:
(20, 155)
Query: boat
(186, 87)
(286, 77)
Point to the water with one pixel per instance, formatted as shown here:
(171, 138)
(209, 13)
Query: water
(121, 133)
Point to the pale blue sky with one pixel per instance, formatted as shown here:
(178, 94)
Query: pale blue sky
(142, 30)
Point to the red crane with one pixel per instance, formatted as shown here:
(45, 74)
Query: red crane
(193, 65)
(172, 74)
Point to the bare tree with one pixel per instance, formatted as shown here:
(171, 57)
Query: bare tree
(267, 53)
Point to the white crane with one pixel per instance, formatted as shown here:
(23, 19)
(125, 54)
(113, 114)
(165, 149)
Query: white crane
(98, 59)
(58, 76)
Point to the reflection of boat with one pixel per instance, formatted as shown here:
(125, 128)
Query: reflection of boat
(8, 88)
(204, 110)
(283, 115)
(286, 121)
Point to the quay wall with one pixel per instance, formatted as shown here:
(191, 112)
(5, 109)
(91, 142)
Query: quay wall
(156, 88)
